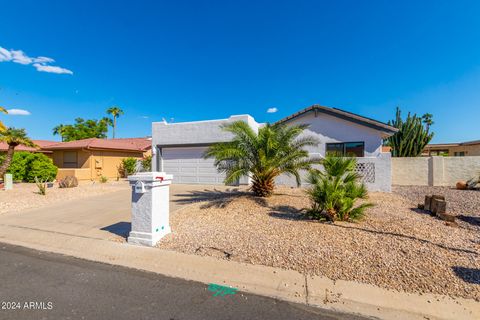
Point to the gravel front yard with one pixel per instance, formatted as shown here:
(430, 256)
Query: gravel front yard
(394, 247)
(25, 196)
(464, 203)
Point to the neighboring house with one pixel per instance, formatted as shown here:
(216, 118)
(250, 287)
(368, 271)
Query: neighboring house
(461, 149)
(88, 159)
(179, 147)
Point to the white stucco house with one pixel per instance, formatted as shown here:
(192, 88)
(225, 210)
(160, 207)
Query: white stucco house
(178, 147)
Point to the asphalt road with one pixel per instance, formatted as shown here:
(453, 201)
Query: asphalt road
(39, 285)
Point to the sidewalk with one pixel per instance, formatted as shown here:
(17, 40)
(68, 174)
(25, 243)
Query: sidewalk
(282, 284)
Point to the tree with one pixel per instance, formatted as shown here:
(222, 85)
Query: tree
(335, 190)
(13, 138)
(2, 126)
(83, 129)
(276, 149)
(412, 136)
(427, 119)
(115, 112)
(59, 130)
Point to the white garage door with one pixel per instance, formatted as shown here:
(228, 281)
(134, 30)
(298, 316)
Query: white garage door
(188, 166)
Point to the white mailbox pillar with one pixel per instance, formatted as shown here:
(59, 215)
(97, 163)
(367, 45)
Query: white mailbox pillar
(150, 207)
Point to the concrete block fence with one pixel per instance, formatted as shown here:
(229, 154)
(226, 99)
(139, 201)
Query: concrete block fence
(434, 171)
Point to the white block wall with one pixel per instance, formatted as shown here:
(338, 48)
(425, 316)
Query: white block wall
(434, 171)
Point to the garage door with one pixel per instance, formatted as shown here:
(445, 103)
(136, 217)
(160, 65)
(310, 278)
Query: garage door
(188, 166)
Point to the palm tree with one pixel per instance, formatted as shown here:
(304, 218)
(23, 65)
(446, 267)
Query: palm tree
(115, 112)
(13, 137)
(105, 122)
(276, 149)
(60, 130)
(335, 189)
(2, 126)
(427, 119)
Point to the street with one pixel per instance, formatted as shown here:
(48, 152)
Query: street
(39, 285)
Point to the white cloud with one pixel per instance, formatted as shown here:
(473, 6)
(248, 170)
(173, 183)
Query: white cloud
(18, 112)
(51, 69)
(40, 63)
(5, 55)
(18, 56)
(272, 110)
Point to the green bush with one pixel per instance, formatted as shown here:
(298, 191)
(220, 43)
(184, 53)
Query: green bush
(25, 166)
(40, 166)
(128, 166)
(147, 163)
(18, 166)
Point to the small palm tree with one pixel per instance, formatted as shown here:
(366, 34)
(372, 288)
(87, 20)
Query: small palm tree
(334, 191)
(115, 112)
(276, 149)
(2, 126)
(13, 137)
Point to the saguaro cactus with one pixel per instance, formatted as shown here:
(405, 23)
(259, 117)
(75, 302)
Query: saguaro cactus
(412, 136)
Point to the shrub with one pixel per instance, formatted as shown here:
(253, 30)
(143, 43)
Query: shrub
(25, 166)
(41, 166)
(103, 179)
(68, 182)
(335, 190)
(128, 166)
(18, 166)
(147, 163)
(41, 185)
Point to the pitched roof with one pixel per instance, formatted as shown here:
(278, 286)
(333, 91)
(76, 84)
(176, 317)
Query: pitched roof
(40, 144)
(453, 144)
(345, 115)
(44, 143)
(125, 144)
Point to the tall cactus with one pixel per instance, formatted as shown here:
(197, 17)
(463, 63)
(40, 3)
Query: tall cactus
(412, 136)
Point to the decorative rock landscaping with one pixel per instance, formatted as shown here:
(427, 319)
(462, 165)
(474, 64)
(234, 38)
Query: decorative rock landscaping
(394, 247)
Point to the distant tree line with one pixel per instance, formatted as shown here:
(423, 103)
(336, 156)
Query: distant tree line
(90, 128)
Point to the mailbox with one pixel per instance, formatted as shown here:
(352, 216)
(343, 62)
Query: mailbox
(139, 187)
(150, 207)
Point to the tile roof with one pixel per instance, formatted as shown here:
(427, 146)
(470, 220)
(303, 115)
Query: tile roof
(40, 144)
(124, 144)
(453, 144)
(375, 124)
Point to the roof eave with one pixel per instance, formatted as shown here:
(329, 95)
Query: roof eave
(374, 124)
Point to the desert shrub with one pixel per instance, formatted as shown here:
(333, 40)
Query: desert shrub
(68, 182)
(146, 163)
(41, 185)
(128, 166)
(335, 190)
(103, 179)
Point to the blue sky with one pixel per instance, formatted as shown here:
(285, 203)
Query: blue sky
(194, 60)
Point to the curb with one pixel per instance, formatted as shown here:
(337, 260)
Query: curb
(288, 285)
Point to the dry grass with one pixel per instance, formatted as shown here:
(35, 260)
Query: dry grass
(393, 247)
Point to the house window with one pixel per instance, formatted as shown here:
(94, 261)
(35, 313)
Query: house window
(70, 159)
(443, 153)
(459, 154)
(346, 149)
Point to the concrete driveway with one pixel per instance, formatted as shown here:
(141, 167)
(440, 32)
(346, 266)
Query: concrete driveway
(106, 216)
